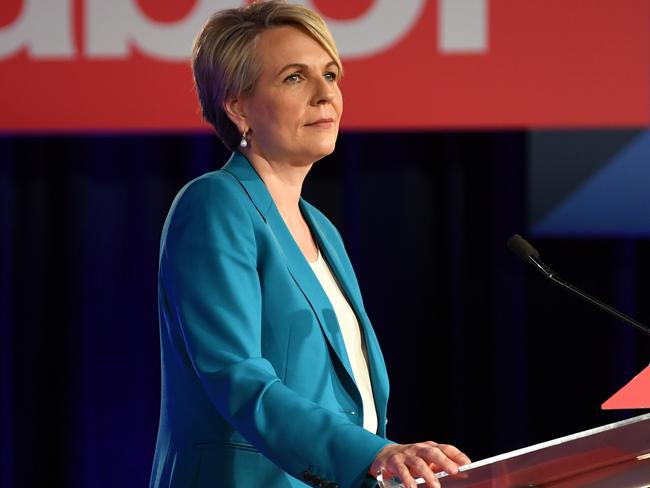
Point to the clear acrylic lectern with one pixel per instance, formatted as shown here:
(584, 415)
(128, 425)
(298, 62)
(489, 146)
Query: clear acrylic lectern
(612, 456)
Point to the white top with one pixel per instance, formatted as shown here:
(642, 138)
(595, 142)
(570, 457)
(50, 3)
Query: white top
(354, 343)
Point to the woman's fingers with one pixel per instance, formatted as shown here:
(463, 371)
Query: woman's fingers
(418, 467)
(435, 456)
(405, 475)
(409, 461)
(454, 454)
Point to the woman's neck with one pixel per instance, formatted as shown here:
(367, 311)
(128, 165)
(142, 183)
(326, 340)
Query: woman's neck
(284, 182)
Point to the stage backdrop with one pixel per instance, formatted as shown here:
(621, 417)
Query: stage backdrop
(93, 64)
(482, 352)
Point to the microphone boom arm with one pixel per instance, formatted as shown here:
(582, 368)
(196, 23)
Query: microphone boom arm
(551, 275)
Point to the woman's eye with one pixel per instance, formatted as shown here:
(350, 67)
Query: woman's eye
(294, 78)
(330, 76)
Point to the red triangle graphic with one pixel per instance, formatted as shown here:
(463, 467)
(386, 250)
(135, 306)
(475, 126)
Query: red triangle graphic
(636, 394)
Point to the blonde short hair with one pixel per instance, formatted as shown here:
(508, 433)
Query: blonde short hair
(224, 60)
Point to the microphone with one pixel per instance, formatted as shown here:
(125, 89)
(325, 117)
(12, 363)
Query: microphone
(527, 253)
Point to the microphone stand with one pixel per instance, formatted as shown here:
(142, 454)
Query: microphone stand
(551, 275)
(522, 248)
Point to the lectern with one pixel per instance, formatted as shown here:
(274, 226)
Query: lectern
(612, 456)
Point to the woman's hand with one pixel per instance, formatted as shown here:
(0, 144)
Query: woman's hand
(410, 461)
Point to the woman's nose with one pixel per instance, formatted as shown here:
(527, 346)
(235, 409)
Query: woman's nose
(323, 92)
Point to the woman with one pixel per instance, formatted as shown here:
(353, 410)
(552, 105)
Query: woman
(271, 372)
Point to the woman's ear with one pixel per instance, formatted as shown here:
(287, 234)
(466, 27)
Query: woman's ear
(234, 108)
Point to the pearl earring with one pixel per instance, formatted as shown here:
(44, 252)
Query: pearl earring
(243, 142)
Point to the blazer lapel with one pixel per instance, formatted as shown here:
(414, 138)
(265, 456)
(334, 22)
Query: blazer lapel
(376, 362)
(297, 265)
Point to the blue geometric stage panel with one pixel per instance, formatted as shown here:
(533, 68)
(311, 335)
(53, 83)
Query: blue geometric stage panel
(610, 197)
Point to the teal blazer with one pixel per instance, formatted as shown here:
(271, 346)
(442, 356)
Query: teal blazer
(257, 388)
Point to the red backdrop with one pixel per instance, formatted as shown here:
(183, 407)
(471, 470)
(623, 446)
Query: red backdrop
(546, 63)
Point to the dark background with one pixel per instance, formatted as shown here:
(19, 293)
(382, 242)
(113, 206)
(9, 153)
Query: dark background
(481, 351)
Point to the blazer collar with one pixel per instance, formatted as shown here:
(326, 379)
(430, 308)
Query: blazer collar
(243, 170)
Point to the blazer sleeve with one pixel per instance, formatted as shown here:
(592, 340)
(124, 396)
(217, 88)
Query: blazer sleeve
(208, 269)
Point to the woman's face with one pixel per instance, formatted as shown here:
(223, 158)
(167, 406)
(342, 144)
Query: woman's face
(294, 112)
